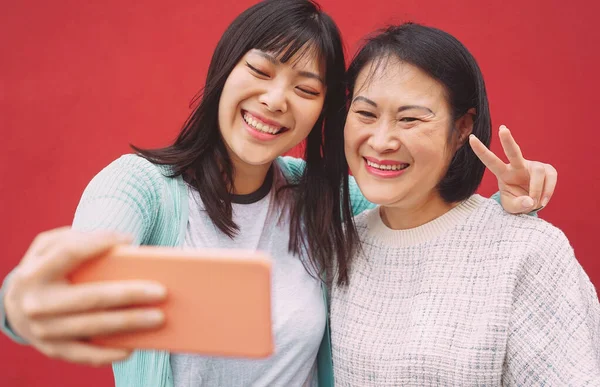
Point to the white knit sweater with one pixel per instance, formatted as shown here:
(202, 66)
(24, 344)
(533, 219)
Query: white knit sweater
(477, 297)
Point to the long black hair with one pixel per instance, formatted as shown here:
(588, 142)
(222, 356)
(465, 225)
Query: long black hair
(320, 215)
(447, 60)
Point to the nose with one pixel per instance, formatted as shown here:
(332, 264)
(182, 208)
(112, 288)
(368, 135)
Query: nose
(383, 139)
(274, 99)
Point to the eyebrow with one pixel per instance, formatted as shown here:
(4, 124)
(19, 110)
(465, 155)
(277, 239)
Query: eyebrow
(408, 107)
(364, 99)
(400, 109)
(275, 61)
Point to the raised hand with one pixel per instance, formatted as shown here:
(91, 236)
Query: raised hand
(524, 185)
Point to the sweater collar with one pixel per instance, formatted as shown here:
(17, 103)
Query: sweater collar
(378, 231)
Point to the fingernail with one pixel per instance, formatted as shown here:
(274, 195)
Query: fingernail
(156, 291)
(545, 201)
(527, 202)
(503, 127)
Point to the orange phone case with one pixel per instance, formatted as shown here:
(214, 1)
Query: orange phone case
(218, 302)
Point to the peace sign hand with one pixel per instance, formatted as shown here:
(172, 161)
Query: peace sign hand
(524, 185)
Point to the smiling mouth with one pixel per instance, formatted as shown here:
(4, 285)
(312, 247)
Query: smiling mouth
(257, 124)
(392, 167)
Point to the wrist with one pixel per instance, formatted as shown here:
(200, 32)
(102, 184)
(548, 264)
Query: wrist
(7, 313)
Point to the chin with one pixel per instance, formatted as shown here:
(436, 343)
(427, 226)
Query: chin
(379, 196)
(258, 161)
(251, 154)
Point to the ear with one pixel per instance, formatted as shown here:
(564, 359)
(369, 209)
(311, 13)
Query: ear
(464, 127)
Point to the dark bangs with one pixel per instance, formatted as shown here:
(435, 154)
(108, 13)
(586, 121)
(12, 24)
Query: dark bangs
(291, 29)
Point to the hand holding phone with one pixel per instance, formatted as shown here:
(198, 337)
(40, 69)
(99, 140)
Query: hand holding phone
(55, 317)
(218, 301)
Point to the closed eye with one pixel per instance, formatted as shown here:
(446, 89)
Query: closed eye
(409, 119)
(365, 113)
(310, 92)
(257, 71)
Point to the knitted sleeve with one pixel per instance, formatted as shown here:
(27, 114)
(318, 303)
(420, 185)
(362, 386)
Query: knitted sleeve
(122, 197)
(554, 332)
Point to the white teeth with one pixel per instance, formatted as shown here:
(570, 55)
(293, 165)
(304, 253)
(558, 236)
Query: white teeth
(397, 167)
(259, 125)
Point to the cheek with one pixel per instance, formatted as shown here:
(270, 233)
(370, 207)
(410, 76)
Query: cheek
(227, 96)
(240, 82)
(428, 145)
(307, 113)
(354, 135)
(236, 86)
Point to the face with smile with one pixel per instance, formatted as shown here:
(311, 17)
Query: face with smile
(397, 136)
(267, 107)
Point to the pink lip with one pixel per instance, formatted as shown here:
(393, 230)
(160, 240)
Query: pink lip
(263, 119)
(383, 174)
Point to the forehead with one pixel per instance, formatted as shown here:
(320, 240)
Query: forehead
(393, 79)
(306, 58)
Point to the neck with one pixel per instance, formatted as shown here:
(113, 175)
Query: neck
(248, 178)
(403, 216)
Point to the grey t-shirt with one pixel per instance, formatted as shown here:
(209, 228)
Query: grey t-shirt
(298, 309)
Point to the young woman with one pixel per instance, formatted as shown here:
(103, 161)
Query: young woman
(447, 288)
(276, 78)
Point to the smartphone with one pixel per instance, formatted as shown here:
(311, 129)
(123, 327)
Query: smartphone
(218, 302)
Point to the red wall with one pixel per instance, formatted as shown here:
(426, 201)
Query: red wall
(78, 82)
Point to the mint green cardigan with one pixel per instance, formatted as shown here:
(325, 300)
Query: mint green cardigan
(137, 198)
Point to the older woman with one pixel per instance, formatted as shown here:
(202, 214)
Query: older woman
(447, 289)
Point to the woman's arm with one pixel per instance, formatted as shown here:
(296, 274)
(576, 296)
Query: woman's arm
(41, 308)
(554, 331)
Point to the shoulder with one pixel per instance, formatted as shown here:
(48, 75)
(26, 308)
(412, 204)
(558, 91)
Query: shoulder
(292, 168)
(130, 165)
(133, 195)
(537, 244)
(131, 178)
(523, 228)
(135, 173)
(358, 201)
